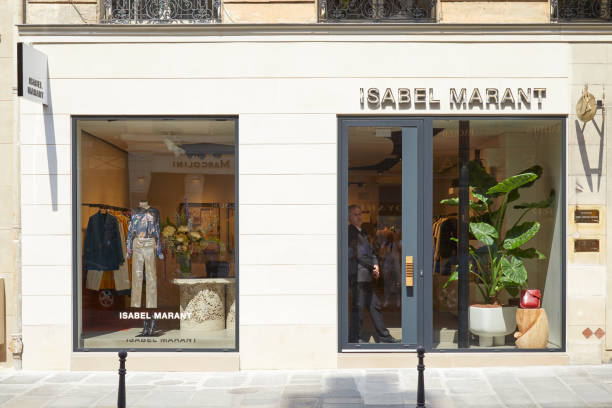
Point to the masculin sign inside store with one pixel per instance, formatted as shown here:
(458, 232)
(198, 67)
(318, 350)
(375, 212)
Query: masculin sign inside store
(458, 98)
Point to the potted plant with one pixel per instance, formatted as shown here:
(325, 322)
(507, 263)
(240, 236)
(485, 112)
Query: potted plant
(498, 264)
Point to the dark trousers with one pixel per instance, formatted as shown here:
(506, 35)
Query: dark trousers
(363, 297)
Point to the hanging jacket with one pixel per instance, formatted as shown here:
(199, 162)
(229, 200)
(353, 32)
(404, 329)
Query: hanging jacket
(102, 248)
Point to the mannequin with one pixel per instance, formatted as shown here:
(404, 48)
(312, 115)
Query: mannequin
(143, 241)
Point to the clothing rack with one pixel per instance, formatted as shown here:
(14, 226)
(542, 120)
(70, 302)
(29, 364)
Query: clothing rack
(439, 217)
(105, 206)
(437, 226)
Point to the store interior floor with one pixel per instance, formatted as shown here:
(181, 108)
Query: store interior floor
(445, 327)
(173, 339)
(103, 328)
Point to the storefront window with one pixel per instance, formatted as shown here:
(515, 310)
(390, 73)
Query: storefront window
(503, 239)
(155, 233)
(451, 233)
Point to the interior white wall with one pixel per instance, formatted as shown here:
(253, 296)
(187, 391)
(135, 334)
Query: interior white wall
(553, 286)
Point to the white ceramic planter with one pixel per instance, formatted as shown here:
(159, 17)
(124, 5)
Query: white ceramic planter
(492, 324)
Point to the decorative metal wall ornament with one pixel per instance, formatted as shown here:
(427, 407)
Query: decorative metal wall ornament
(377, 10)
(584, 10)
(586, 108)
(161, 11)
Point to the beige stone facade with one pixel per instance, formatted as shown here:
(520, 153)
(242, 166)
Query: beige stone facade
(9, 179)
(61, 12)
(588, 275)
(494, 12)
(288, 307)
(262, 11)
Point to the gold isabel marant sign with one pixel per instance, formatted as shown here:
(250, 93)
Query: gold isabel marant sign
(455, 98)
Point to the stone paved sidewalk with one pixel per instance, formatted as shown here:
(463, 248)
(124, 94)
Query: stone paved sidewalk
(545, 387)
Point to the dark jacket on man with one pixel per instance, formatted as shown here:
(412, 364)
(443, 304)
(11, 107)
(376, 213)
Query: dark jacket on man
(361, 255)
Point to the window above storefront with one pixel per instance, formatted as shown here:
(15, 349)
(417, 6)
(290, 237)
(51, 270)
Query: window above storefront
(160, 11)
(469, 11)
(331, 11)
(581, 11)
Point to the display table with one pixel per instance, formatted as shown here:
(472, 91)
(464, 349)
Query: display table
(206, 301)
(532, 328)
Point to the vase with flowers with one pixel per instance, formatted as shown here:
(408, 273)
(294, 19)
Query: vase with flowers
(183, 241)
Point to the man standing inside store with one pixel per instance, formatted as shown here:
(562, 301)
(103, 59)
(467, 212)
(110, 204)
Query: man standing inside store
(363, 268)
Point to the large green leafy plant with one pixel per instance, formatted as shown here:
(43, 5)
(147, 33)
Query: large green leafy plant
(501, 265)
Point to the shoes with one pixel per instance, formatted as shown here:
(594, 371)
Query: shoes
(151, 328)
(388, 339)
(145, 328)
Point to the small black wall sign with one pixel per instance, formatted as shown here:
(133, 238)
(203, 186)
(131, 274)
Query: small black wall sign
(586, 245)
(586, 216)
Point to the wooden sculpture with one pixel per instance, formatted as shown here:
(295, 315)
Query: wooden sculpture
(532, 328)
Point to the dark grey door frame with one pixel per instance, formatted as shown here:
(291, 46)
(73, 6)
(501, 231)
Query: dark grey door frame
(422, 270)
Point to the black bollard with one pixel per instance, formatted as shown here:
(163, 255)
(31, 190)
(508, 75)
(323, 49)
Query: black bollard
(122, 370)
(421, 386)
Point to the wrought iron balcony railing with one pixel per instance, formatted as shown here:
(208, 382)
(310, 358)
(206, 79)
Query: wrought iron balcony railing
(581, 10)
(160, 11)
(333, 11)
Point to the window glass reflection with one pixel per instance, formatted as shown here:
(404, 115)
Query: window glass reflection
(157, 238)
(374, 234)
(515, 231)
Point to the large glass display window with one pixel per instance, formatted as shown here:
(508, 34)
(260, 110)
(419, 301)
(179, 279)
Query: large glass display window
(498, 222)
(451, 233)
(155, 233)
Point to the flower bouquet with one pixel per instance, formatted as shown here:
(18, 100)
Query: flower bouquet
(184, 241)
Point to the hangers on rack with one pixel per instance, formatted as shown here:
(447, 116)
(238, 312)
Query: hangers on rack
(443, 216)
(106, 207)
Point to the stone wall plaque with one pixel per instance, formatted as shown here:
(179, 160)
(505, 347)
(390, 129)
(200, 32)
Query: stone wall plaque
(586, 216)
(586, 245)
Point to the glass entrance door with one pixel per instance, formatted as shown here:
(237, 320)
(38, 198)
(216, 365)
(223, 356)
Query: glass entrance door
(381, 230)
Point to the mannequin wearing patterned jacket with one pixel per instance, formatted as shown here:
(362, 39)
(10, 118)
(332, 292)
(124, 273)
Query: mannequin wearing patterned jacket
(143, 243)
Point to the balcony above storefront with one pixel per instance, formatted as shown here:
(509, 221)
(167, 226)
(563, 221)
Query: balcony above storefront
(160, 11)
(581, 10)
(191, 13)
(333, 11)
